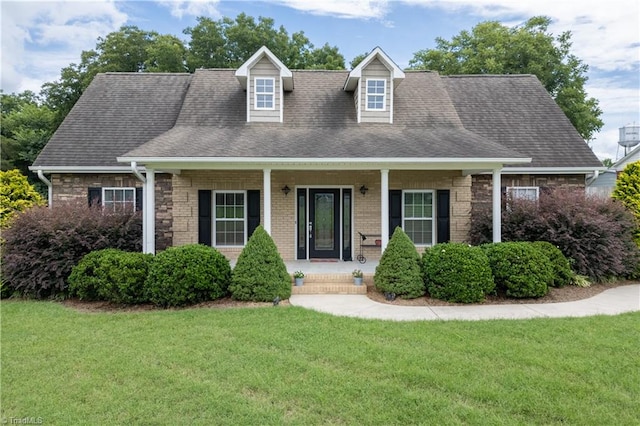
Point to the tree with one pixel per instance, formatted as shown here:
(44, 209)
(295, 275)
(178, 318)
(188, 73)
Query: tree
(628, 192)
(227, 43)
(607, 162)
(359, 58)
(27, 125)
(16, 195)
(493, 48)
(129, 49)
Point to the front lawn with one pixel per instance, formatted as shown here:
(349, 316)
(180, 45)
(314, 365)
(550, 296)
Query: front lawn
(278, 365)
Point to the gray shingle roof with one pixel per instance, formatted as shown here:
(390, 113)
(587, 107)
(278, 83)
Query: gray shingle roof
(116, 113)
(517, 112)
(204, 115)
(319, 122)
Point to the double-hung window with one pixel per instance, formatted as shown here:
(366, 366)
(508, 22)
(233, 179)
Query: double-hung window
(376, 94)
(119, 199)
(523, 193)
(230, 225)
(264, 93)
(418, 216)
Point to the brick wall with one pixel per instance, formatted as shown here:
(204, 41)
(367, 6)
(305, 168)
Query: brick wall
(72, 187)
(481, 188)
(366, 216)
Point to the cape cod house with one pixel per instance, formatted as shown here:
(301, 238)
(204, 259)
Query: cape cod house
(317, 157)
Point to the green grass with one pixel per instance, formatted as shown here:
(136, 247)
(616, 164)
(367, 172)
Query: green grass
(286, 365)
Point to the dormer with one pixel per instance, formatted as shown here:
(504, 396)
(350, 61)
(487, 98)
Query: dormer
(265, 78)
(372, 82)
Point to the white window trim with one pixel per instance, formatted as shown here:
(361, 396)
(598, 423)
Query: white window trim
(122, 188)
(510, 190)
(272, 93)
(215, 218)
(384, 95)
(433, 213)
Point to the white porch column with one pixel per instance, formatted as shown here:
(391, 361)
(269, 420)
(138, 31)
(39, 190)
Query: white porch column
(149, 220)
(267, 200)
(384, 208)
(497, 206)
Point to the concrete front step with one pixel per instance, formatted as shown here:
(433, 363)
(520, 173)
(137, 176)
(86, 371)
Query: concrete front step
(337, 283)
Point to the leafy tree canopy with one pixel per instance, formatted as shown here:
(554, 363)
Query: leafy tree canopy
(27, 125)
(627, 190)
(493, 48)
(227, 43)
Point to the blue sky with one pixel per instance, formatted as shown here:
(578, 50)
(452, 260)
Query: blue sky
(40, 38)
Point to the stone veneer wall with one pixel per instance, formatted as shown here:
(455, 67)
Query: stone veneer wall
(71, 187)
(366, 216)
(482, 184)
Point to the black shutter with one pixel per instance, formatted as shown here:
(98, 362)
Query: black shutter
(94, 196)
(442, 215)
(205, 219)
(395, 210)
(253, 211)
(139, 199)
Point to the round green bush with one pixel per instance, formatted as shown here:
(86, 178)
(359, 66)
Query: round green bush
(398, 272)
(260, 274)
(113, 275)
(457, 272)
(187, 275)
(562, 273)
(519, 269)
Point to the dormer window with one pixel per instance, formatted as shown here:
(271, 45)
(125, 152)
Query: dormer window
(376, 90)
(265, 92)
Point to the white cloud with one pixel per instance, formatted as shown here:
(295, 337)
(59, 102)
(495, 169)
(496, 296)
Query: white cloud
(605, 34)
(31, 29)
(350, 9)
(192, 8)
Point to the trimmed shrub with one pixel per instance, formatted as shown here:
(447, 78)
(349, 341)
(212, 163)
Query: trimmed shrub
(43, 245)
(562, 273)
(113, 275)
(628, 192)
(16, 195)
(186, 275)
(594, 233)
(457, 272)
(399, 271)
(260, 274)
(519, 269)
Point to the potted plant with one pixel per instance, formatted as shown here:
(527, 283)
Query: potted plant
(298, 276)
(357, 276)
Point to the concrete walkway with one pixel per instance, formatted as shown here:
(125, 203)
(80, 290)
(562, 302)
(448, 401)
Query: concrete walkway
(610, 302)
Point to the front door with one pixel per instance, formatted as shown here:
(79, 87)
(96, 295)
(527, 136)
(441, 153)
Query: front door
(324, 223)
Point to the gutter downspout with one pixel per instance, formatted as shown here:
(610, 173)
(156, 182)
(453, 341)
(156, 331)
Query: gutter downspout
(134, 170)
(47, 182)
(592, 179)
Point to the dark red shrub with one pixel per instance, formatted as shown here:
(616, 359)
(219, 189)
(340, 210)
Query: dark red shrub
(594, 233)
(43, 245)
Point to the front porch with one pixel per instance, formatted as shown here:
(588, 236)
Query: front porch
(322, 277)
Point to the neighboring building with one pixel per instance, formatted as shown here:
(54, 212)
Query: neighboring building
(317, 157)
(603, 183)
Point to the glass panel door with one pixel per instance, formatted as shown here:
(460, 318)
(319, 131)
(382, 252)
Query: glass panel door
(324, 220)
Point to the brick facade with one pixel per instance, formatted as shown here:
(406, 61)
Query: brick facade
(482, 184)
(74, 187)
(366, 208)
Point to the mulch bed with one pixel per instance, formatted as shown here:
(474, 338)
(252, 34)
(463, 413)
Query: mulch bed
(555, 295)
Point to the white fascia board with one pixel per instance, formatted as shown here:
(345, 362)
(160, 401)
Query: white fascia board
(239, 163)
(242, 73)
(551, 170)
(396, 72)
